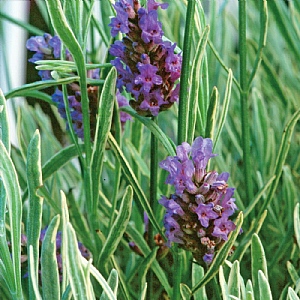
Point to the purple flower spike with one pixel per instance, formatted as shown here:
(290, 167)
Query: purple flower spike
(197, 213)
(147, 67)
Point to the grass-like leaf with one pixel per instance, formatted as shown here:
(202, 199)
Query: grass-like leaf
(144, 247)
(10, 181)
(264, 287)
(113, 283)
(100, 279)
(282, 154)
(223, 284)
(195, 86)
(74, 267)
(234, 280)
(4, 125)
(292, 294)
(60, 24)
(105, 112)
(50, 277)
(38, 85)
(145, 266)
(183, 110)
(131, 178)
(34, 218)
(297, 223)
(185, 292)
(197, 274)
(118, 228)
(224, 111)
(159, 134)
(34, 279)
(293, 272)
(212, 114)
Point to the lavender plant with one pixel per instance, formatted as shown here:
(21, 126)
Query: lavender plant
(193, 81)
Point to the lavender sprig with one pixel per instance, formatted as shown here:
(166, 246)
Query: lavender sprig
(147, 66)
(197, 214)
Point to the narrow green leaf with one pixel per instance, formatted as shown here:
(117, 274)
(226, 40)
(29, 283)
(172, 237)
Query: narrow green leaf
(264, 287)
(123, 283)
(4, 125)
(118, 228)
(249, 296)
(292, 294)
(183, 110)
(67, 294)
(224, 111)
(145, 266)
(60, 24)
(249, 287)
(221, 255)
(282, 16)
(195, 85)
(105, 112)
(28, 27)
(258, 262)
(144, 247)
(49, 269)
(263, 9)
(14, 204)
(297, 223)
(258, 196)
(6, 265)
(212, 114)
(159, 134)
(197, 275)
(100, 279)
(246, 241)
(58, 160)
(143, 293)
(185, 292)
(74, 267)
(38, 85)
(34, 217)
(113, 283)
(129, 175)
(223, 285)
(65, 240)
(79, 223)
(293, 272)
(34, 278)
(234, 280)
(222, 63)
(282, 154)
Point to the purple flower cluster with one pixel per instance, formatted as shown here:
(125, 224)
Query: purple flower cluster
(197, 215)
(24, 256)
(46, 48)
(147, 66)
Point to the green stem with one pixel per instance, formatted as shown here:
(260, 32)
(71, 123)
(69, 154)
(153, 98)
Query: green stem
(177, 271)
(245, 118)
(185, 72)
(153, 200)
